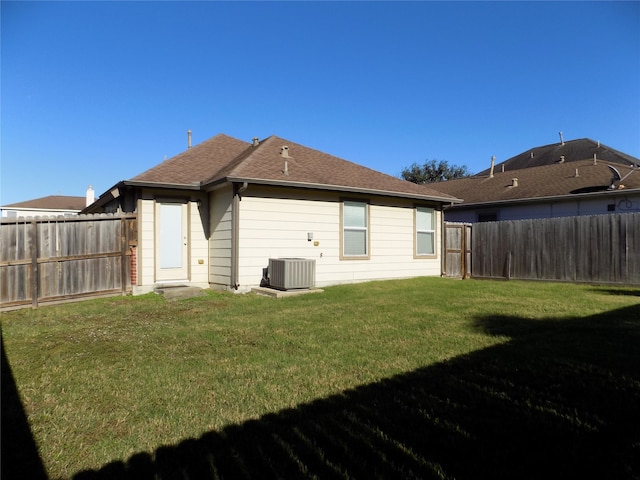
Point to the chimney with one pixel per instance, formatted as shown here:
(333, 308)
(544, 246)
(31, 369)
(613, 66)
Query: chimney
(91, 197)
(561, 139)
(595, 159)
(514, 182)
(188, 139)
(503, 168)
(256, 141)
(561, 158)
(493, 164)
(577, 174)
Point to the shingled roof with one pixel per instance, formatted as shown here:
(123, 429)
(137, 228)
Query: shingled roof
(571, 168)
(275, 161)
(196, 165)
(534, 183)
(52, 202)
(566, 152)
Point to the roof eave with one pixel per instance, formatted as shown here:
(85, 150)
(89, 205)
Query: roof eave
(198, 186)
(547, 198)
(340, 188)
(163, 185)
(109, 195)
(106, 197)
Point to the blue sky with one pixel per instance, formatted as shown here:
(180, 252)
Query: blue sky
(97, 92)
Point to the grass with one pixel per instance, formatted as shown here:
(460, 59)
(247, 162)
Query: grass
(423, 378)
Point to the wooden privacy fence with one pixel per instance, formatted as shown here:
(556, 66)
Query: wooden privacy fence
(48, 259)
(593, 249)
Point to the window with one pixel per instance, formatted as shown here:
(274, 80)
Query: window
(425, 231)
(355, 237)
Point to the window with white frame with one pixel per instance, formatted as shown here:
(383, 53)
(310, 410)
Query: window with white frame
(355, 230)
(425, 231)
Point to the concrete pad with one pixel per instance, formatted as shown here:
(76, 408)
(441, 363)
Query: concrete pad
(179, 292)
(272, 292)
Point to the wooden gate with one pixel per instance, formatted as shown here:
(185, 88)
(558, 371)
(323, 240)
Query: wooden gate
(457, 250)
(52, 259)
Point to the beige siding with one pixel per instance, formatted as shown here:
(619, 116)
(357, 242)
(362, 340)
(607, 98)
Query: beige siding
(220, 240)
(199, 245)
(273, 226)
(146, 248)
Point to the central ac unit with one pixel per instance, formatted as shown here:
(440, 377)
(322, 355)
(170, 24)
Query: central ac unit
(290, 273)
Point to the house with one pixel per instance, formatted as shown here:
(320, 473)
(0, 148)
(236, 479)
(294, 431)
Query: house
(52, 205)
(215, 214)
(577, 177)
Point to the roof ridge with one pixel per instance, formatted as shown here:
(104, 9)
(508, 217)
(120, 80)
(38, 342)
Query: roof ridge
(198, 146)
(289, 142)
(232, 165)
(244, 158)
(328, 181)
(205, 160)
(574, 150)
(631, 158)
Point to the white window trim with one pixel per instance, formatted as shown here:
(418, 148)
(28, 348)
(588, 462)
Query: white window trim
(417, 231)
(366, 229)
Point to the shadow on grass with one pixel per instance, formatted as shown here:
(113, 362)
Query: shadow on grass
(561, 399)
(20, 459)
(617, 291)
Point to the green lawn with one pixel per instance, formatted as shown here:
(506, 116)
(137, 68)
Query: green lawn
(423, 378)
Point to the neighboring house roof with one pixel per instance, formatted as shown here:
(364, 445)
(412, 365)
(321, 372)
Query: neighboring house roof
(536, 183)
(545, 175)
(571, 151)
(52, 202)
(225, 159)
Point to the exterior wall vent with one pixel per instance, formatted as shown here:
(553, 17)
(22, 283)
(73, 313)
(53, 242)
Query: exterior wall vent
(290, 273)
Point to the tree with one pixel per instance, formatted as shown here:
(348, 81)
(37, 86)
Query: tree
(434, 171)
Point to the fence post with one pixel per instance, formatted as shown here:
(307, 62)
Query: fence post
(123, 255)
(34, 264)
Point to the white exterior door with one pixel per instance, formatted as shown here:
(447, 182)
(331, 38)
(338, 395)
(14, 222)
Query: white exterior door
(171, 242)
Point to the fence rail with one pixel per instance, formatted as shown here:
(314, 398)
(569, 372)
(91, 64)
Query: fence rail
(48, 259)
(592, 249)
